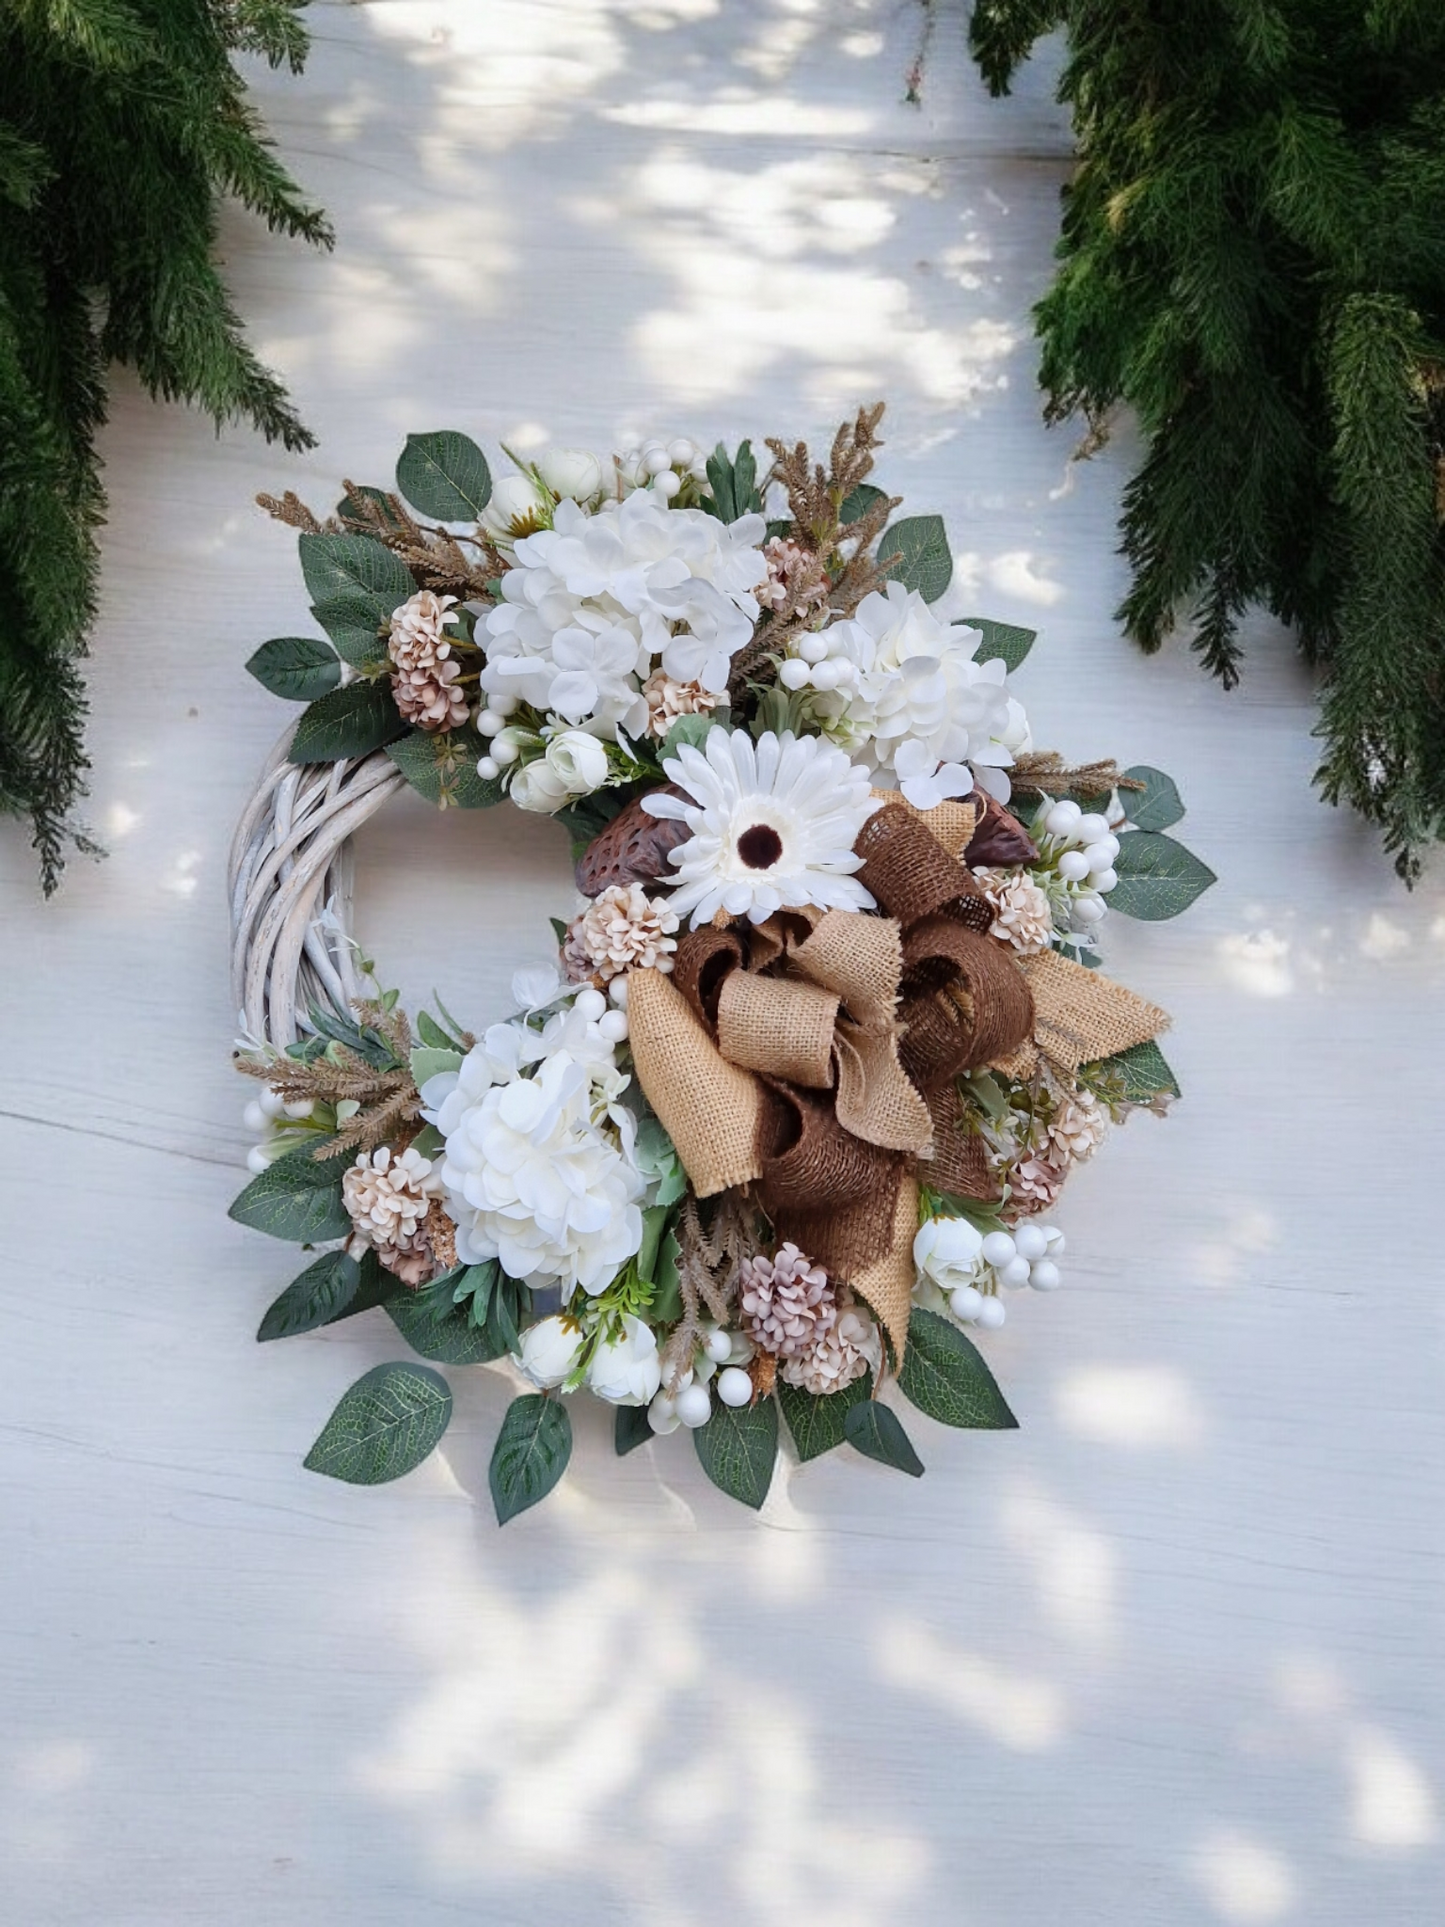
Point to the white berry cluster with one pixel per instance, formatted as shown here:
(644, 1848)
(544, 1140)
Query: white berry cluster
(663, 466)
(1080, 848)
(265, 1117)
(963, 1270)
(689, 1402)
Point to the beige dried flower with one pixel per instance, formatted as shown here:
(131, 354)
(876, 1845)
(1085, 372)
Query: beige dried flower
(416, 639)
(1034, 1185)
(788, 1302)
(622, 929)
(797, 583)
(1023, 915)
(667, 700)
(838, 1357)
(388, 1197)
(1077, 1128)
(430, 698)
(425, 679)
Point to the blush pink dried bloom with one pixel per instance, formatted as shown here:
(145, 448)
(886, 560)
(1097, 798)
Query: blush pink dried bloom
(1023, 915)
(622, 929)
(788, 1302)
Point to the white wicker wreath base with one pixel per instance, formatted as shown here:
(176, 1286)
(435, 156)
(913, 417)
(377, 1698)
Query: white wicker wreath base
(291, 861)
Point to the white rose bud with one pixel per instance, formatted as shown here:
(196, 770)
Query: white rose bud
(538, 787)
(549, 1352)
(578, 760)
(948, 1250)
(571, 472)
(626, 1371)
(518, 507)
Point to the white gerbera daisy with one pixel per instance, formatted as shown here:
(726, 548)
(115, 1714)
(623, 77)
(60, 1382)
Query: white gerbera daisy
(773, 826)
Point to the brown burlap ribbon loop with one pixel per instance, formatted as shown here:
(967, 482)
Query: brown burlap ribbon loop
(992, 1016)
(810, 1162)
(701, 964)
(910, 873)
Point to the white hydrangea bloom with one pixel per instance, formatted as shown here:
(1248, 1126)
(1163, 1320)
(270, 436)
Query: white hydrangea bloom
(940, 720)
(677, 582)
(538, 1168)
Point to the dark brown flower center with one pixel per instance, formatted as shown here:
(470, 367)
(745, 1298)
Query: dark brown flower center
(760, 846)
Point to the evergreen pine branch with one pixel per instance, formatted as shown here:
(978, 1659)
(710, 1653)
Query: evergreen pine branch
(99, 263)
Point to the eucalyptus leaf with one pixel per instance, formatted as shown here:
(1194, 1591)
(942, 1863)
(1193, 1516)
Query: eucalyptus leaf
(297, 1198)
(818, 1425)
(1002, 641)
(530, 1455)
(319, 1295)
(693, 730)
(876, 1431)
(349, 722)
(630, 1429)
(666, 1307)
(300, 668)
(925, 561)
(1143, 1071)
(857, 504)
(944, 1375)
(444, 475)
(357, 634)
(1157, 806)
(441, 765)
(733, 480)
(1158, 878)
(356, 567)
(449, 1340)
(654, 1222)
(737, 1449)
(384, 1426)
(428, 1060)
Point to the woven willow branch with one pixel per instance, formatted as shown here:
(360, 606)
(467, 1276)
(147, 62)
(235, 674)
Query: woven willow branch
(290, 861)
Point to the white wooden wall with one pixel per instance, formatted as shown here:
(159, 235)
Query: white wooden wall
(1171, 1654)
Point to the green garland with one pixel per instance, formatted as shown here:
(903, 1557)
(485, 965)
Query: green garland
(121, 122)
(1253, 260)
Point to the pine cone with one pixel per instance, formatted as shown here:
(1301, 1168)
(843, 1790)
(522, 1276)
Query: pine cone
(633, 848)
(788, 1302)
(429, 698)
(389, 1199)
(424, 680)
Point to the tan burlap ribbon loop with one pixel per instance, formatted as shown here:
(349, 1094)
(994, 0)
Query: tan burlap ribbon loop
(911, 875)
(778, 1027)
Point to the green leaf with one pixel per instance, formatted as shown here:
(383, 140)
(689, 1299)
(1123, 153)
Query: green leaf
(355, 629)
(1002, 641)
(1157, 805)
(944, 1375)
(300, 668)
(877, 1432)
(819, 1424)
(320, 1294)
(349, 722)
(666, 1306)
(349, 505)
(737, 1448)
(445, 475)
(1158, 878)
(431, 1032)
(654, 1221)
(530, 1455)
(630, 1429)
(384, 1427)
(925, 561)
(733, 480)
(297, 1198)
(430, 1060)
(442, 766)
(1144, 1072)
(358, 567)
(441, 1332)
(693, 730)
(857, 504)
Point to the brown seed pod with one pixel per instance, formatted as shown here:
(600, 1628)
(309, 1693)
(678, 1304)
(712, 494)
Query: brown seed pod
(633, 848)
(1000, 839)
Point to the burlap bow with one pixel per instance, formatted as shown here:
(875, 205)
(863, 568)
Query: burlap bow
(816, 1056)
